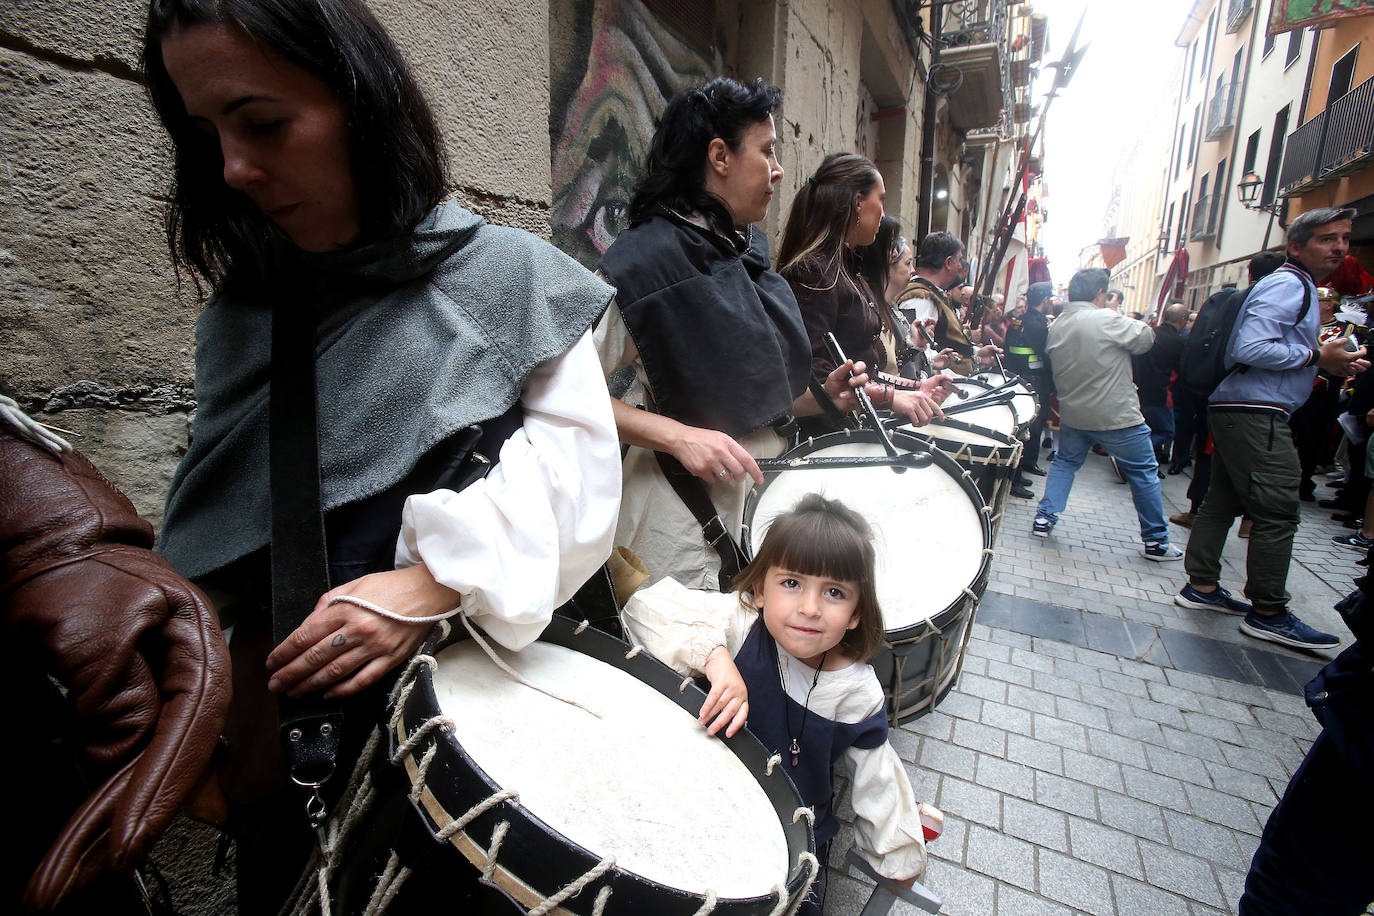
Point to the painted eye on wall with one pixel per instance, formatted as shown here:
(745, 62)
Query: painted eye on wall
(607, 222)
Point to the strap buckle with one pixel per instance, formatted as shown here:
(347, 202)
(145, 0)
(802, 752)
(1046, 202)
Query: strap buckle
(715, 531)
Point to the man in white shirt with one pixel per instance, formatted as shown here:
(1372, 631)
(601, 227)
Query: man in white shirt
(1090, 348)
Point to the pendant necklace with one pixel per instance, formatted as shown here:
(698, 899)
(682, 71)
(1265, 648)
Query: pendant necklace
(795, 747)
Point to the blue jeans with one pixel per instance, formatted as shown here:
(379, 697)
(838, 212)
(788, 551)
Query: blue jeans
(1134, 455)
(1161, 423)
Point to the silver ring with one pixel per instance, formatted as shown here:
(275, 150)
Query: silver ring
(723, 474)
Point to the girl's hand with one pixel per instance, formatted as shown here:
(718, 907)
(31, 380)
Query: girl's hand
(347, 649)
(985, 354)
(728, 700)
(713, 456)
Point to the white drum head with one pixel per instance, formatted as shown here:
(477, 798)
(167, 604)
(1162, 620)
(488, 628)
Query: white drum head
(1023, 402)
(643, 783)
(928, 534)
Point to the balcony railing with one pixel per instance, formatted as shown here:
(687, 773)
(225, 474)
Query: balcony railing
(1202, 225)
(1336, 142)
(1237, 13)
(1221, 111)
(1300, 157)
(1349, 131)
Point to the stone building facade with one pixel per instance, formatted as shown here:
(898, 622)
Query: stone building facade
(546, 109)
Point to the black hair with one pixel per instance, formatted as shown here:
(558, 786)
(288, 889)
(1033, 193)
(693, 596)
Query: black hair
(396, 152)
(823, 537)
(676, 171)
(1265, 263)
(936, 249)
(1037, 293)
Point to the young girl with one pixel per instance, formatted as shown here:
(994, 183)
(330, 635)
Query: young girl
(786, 651)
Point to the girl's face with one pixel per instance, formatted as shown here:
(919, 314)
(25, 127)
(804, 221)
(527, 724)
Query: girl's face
(282, 132)
(868, 214)
(750, 174)
(808, 615)
(899, 272)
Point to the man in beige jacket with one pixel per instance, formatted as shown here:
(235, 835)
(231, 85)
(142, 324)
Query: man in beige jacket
(1090, 348)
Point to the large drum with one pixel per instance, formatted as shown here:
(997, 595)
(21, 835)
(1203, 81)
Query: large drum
(600, 796)
(933, 548)
(1024, 401)
(985, 440)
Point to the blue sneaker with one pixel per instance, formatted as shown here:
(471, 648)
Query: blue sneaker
(1219, 600)
(1287, 630)
(1043, 526)
(1162, 552)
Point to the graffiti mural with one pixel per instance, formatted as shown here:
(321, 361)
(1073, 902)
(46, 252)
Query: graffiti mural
(1286, 15)
(623, 69)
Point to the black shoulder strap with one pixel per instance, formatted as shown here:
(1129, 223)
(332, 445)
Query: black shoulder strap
(693, 494)
(310, 726)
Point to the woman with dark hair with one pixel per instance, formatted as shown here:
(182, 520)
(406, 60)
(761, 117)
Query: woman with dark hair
(887, 265)
(308, 192)
(712, 332)
(836, 212)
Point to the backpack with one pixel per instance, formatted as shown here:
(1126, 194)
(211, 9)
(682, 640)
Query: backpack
(1203, 364)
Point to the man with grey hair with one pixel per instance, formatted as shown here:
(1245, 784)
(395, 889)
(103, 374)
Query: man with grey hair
(1115, 300)
(1090, 349)
(1272, 357)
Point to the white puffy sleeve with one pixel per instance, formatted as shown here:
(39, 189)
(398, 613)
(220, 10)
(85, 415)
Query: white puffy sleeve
(887, 817)
(681, 626)
(518, 543)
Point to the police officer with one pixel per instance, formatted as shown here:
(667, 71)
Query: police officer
(1026, 336)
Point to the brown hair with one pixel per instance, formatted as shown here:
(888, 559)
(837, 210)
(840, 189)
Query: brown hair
(823, 210)
(823, 537)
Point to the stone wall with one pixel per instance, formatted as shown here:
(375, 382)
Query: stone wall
(95, 330)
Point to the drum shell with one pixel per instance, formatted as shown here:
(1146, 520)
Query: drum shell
(920, 663)
(535, 861)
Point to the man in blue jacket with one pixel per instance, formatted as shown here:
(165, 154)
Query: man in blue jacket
(1273, 356)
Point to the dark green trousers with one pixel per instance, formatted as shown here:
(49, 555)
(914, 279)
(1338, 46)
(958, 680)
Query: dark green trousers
(1255, 471)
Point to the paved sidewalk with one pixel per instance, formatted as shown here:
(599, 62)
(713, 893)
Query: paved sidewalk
(1130, 781)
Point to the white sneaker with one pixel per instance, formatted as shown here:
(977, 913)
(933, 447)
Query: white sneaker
(1162, 552)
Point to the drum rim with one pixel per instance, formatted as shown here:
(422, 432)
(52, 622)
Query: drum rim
(952, 611)
(562, 631)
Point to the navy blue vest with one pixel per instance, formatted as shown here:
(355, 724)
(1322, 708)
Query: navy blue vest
(824, 740)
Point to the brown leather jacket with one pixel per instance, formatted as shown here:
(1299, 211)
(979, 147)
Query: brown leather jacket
(135, 647)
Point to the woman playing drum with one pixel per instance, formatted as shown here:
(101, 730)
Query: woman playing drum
(837, 210)
(712, 332)
(310, 176)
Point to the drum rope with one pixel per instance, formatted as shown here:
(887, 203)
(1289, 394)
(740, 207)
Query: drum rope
(686, 682)
(634, 650)
(805, 858)
(415, 737)
(575, 887)
(599, 905)
(783, 900)
(497, 837)
(581, 626)
(476, 810)
(388, 885)
(708, 905)
(517, 676)
(772, 762)
(407, 679)
(805, 812)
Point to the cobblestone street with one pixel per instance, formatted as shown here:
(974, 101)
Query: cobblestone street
(1105, 751)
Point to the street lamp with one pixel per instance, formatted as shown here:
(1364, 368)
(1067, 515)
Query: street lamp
(1249, 189)
(1162, 243)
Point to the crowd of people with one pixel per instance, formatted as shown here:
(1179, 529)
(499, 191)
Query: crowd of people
(402, 417)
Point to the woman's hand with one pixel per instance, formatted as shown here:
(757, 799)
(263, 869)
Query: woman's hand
(917, 406)
(841, 387)
(728, 700)
(937, 387)
(986, 354)
(344, 649)
(944, 359)
(713, 456)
